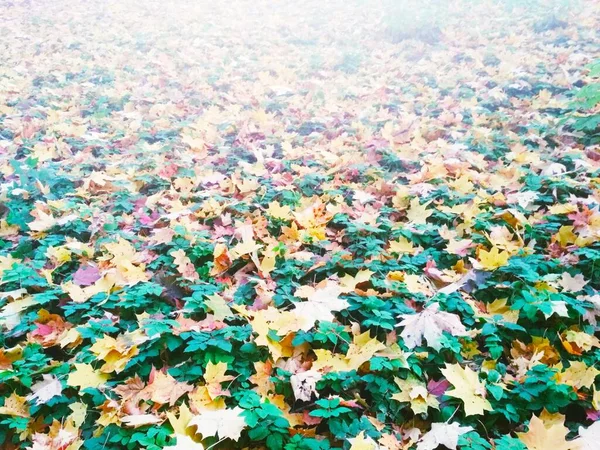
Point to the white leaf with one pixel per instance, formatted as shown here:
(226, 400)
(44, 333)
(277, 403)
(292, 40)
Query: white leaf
(304, 384)
(185, 443)
(321, 302)
(442, 434)
(46, 389)
(589, 437)
(224, 423)
(138, 420)
(430, 323)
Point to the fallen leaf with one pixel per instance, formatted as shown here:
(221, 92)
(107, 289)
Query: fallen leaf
(15, 405)
(362, 442)
(304, 385)
(430, 324)
(589, 438)
(543, 435)
(84, 376)
(493, 259)
(164, 389)
(468, 388)
(45, 390)
(445, 434)
(224, 423)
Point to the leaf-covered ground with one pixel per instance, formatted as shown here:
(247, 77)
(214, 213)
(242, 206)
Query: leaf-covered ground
(281, 225)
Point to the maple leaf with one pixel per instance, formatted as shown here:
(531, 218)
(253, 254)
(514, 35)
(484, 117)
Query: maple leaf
(45, 390)
(572, 284)
(445, 434)
(279, 212)
(244, 247)
(577, 342)
(224, 423)
(85, 376)
(403, 246)
(139, 420)
(115, 352)
(547, 432)
(185, 443)
(418, 214)
(10, 315)
(362, 349)
(164, 389)
(493, 259)
(430, 324)
(86, 275)
(221, 259)
(79, 413)
(218, 306)
(184, 265)
(348, 283)
(415, 392)
(180, 424)
(43, 220)
(468, 388)
(214, 375)
(589, 437)
(578, 375)
(322, 301)
(362, 442)
(59, 437)
(15, 405)
(304, 385)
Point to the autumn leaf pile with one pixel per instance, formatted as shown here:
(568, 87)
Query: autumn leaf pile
(266, 225)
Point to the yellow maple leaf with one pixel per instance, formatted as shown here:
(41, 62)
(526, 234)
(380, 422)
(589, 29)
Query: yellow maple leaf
(578, 375)
(565, 235)
(414, 391)
(277, 211)
(329, 361)
(8, 230)
(576, 342)
(362, 349)
(15, 405)
(6, 262)
(547, 434)
(493, 259)
(165, 389)
(360, 442)
(214, 375)
(402, 246)
(201, 400)
(218, 306)
(418, 284)
(180, 424)
(265, 320)
(77, 417)
(462, 184)
(348, 282)
(43, 221)
(244, 248)
(418, 213)
(468, 388)
(85, 376)
(262, 378)
(115, 352)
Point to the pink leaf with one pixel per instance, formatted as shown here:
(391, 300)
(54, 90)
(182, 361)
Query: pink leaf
(86, 275)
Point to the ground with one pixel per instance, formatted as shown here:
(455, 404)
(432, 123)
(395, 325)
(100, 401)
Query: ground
(298, 225)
